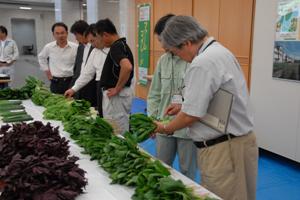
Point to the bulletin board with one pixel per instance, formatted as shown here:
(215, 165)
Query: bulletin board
(286, 59)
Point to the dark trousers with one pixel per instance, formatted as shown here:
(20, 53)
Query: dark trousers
(60, 85)
(3, 85)
(88, 93)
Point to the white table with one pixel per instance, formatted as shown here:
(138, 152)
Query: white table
(99, 186)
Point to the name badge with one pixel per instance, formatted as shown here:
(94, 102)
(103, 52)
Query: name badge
(177, 99)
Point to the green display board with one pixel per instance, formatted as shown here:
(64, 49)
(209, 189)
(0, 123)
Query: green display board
(143, 42)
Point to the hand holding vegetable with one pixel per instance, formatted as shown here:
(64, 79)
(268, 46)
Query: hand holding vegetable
(159, 127)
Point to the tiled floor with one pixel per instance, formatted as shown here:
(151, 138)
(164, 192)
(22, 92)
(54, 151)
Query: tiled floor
(27, 66)
(278, 178)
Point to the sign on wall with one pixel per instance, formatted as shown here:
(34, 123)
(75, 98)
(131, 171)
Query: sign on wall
(143, 42)
(286, 60)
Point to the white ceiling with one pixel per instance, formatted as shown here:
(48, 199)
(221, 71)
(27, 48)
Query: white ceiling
(45, 5)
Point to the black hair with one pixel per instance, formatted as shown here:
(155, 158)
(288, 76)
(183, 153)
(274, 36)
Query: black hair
(91, 30)
(106, 25)
(79, 27)
(161, 23)
(3, 30)
(59, 24)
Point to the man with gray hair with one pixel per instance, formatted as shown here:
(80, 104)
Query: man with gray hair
(227, 162)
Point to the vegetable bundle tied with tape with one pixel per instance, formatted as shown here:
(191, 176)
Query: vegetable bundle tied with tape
(13, 111)
(141, 127)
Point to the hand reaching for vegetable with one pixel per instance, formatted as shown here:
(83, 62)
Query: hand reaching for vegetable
(69, 93)
(173, 109)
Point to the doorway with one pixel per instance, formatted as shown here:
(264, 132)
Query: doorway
(23, 32)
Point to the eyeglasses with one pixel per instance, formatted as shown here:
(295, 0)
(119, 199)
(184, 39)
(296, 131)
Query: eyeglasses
(178, 49)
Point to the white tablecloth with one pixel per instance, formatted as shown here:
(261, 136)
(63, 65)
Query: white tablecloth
(99, 186)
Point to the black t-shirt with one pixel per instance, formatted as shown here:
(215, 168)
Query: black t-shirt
(111, 68)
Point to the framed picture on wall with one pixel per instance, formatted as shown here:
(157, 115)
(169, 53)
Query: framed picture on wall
(286, 60)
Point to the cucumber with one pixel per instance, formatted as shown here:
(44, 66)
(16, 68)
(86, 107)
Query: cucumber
(11, 107)
(12, 113)
(18, 118)
(9, 102)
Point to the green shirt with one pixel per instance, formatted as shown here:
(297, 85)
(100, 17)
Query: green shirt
(167, 81)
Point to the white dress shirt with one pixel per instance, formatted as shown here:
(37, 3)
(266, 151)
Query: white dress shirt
(214, 68)
(61, 60)
(94, 65)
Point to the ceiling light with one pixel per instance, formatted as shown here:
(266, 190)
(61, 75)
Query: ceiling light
(84, 4)
(113, 1)
(25, 8)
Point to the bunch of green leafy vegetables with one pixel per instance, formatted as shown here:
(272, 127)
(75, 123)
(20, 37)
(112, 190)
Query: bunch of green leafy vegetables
(122, 159)
(82, 125)
(40, 94)
(60, 108)
(141, 127)
(89, 133)
(24, 92)
(153, 186)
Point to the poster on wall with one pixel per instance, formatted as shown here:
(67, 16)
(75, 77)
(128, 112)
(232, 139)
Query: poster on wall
(143, 42)
(286, 59)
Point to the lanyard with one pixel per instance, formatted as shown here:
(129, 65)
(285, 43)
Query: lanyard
(210, 43)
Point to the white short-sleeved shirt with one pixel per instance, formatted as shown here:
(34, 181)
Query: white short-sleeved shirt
(216, 67)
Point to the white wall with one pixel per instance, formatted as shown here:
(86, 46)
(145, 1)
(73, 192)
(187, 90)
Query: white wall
(43, 22)
(109, 10)
(276, 102)
(127, 22)
(122, 14)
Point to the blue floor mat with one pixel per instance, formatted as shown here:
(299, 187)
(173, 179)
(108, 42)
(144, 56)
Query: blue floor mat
(278, 177)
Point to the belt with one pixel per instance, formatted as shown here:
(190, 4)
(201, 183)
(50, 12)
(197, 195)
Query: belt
(215, 141)
(107, 87)
(62, 78)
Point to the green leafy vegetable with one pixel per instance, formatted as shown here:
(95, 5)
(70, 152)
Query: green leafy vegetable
(141, 127)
